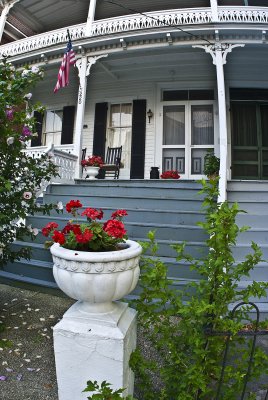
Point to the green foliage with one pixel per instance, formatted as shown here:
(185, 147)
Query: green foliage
(20, 175)
(211, 164)
(179, 324)
(104, 392)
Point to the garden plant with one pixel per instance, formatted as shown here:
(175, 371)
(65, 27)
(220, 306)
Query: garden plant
(179, 324)
(21, 176)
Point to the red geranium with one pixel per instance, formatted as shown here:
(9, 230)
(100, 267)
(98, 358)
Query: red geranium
(93, 213)
(170, 175)
(91, 235)
(58, 237)
(115, 228)
(72, 206)
(119, 214)
(92, 161)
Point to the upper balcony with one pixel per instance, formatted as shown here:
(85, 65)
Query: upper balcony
(153, 22)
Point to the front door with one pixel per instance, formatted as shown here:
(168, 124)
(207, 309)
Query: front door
(249, 140)
(188, 134)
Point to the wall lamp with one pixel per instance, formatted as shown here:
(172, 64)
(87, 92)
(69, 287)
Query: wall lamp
(150, 115)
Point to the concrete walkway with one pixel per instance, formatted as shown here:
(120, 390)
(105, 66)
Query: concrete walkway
(27, 369)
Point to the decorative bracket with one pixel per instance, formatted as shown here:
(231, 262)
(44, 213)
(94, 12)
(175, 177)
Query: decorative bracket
(224, 48)
(90, 61)
(84, 73)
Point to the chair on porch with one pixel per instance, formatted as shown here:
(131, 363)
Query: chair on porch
(112, 163)
(83, 156)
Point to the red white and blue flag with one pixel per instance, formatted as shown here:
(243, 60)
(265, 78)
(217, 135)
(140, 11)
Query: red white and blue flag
(68, 59)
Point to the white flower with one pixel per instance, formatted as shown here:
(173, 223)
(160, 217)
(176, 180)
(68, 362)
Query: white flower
(27, 195)
(35, 231)
(28, 96)
(60, 205)
(25, 72)
(12, 68)
(9, 86)
(24, 204)
(23, 160)
(10, 140)
(50, 154)
(35, 69)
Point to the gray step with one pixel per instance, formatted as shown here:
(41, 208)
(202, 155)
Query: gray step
(150, 203)
(126, 190)
(141, 183)
(241, 196)
(9, 277)
(253, 207)
(241, 250)
(258, 235)
(178, 217)
(259, 273)
(253, 221)
(247, 185)
(163, 231)
(35, 269)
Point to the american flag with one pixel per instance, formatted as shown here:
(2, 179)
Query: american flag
(68, 59)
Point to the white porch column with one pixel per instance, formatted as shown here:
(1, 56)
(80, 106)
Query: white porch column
(90, 17)
(214, 10)
(219, 52)
(84, 65)
(7, 6)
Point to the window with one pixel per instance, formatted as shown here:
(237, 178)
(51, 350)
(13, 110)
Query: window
(119, 130)
(53, 127)
(188, 133)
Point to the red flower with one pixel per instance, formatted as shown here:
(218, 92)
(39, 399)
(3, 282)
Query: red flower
(93, 161)
(119, 213)
(84, 237)
(49, 227)
(58, 237)
(45, 231)
(170, 175)
(93, 213)
(73, 205)
(114, 228)
(72, 228)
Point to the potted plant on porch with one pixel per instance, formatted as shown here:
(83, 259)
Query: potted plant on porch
(211, 165)
(91, 166)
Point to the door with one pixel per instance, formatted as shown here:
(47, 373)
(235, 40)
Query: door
(249, 140)
(188, 134)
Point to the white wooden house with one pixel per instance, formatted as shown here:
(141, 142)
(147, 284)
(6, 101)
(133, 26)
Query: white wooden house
(166, 79)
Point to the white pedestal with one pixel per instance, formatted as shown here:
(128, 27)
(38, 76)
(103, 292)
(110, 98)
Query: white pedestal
(94, 347)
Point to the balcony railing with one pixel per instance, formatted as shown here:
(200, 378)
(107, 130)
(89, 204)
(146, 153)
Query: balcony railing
(137, 22)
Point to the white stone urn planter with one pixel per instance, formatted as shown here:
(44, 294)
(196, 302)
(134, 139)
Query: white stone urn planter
(96, 336)
(96, 279)
(91, 172)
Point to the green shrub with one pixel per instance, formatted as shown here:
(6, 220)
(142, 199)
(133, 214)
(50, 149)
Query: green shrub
(188, 361)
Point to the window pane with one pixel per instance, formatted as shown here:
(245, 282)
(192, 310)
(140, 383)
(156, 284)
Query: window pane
(198, 161)
(202, 125)
(49, 121)
(58, 121)
(126, 114)
(244, 129)
(174, 159)
(174, 125)
(115, 115)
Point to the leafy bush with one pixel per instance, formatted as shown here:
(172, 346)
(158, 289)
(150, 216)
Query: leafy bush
(21, 176)
(104, 392)
(178, 324)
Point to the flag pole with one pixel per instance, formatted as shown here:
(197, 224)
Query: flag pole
(68, 34)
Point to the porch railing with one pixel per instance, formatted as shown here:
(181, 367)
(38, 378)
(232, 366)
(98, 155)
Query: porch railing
(137, 22)
(63, 159)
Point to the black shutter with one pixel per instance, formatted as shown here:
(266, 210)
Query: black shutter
(37, 141)
(100, 129)
(138, 139)
(67, 125)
